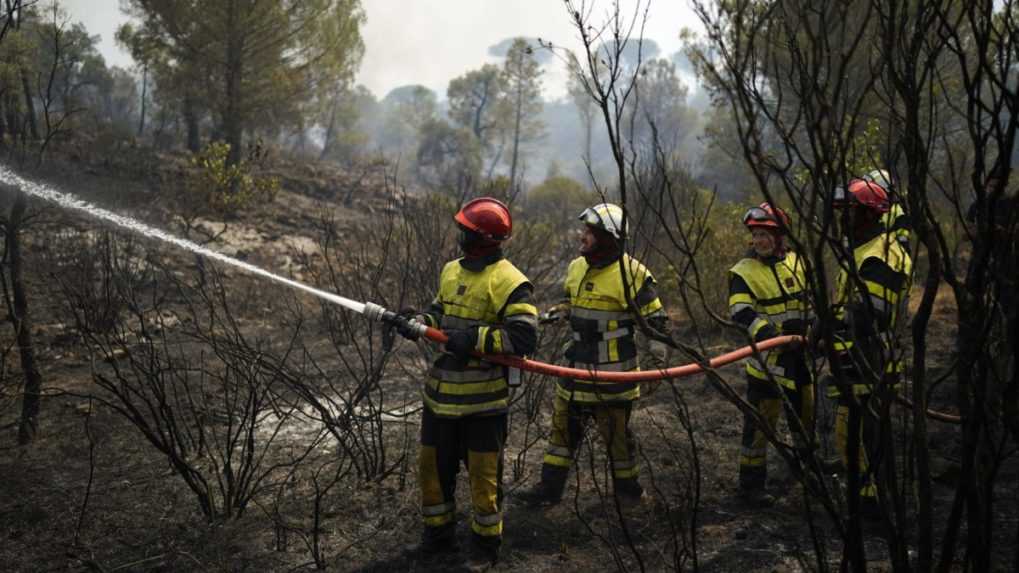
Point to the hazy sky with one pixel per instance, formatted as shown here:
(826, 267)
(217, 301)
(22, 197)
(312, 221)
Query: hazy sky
(431, 41)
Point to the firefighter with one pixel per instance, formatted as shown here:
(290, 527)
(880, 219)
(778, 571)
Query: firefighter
(895, 220)
(603, 326)
(483, 305)
(871, 291)
(767, 297)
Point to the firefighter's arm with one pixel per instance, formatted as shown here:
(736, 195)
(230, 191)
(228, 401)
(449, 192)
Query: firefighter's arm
(650, 306)
(651, 309)
(518, 332)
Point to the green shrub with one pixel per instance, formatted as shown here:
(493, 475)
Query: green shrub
(226, 188)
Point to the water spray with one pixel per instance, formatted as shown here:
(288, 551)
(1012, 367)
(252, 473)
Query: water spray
(71, 202)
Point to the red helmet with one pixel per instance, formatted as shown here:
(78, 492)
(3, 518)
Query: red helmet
(488, 217)
(863, 193)
(764, 215)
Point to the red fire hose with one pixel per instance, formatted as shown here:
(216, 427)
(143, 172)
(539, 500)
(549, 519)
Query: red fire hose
(376, 312)
(635, 376)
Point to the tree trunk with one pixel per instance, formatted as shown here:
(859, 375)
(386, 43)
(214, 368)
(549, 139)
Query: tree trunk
(3, 124)
(13, 124)
(330, 129)
(233, 127)
(33, 127)
(21, 320)
(588, 121)
(145, 86)
(516, 143)
(191, 121)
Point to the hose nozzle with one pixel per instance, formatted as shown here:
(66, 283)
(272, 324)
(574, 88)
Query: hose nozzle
(407, 327)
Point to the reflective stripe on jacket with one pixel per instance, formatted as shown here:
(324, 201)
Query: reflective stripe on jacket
(604, 327)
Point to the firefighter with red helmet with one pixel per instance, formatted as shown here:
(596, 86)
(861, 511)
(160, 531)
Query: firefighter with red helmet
(895, 219)
(871, 294)
(767, 297)
(603, 325)
(483, 305)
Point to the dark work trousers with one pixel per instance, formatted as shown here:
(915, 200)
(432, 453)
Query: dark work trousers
(868, 440)
(613, 422)
(478, 441)
(769, 399)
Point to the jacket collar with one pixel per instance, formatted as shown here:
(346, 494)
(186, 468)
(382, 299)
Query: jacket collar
(475, 264)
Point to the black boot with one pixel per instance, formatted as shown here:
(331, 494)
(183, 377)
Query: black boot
(630, 491)
(484, 552)
(549, 491)
(541, 494)
(755, 497)
(436, 543)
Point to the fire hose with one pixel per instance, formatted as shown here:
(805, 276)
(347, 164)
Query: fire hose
(376, 312)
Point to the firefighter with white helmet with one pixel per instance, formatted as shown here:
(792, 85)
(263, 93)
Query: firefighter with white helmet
(603, 326)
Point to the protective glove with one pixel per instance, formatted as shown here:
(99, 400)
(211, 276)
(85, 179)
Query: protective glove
(658, 355)
(403, 324)
(461, 342)
(554, 314)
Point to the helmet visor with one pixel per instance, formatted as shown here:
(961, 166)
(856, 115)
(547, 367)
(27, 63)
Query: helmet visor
(606, 217)
(756, 214)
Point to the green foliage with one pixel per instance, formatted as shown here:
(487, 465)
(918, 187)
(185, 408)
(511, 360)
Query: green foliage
(265, 64)
(347, 125)
(558, 198)
(865, 151)
(704, 281)
(448, 158)
(498, 187)
(17, 51)
(473, 99)
(406, 109)
(225, 188)
(521, 107)
(658, 111)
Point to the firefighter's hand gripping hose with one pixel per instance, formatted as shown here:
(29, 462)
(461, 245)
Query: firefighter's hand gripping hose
(376, 312)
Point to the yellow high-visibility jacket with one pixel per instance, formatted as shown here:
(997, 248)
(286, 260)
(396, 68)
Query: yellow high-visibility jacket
(603, 326)
(768, 297)
(495, 300)
(869, 316)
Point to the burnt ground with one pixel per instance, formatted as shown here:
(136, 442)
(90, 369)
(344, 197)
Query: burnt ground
(91, 494)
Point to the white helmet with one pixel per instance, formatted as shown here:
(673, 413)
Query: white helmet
(881, 177)
(605, 216)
